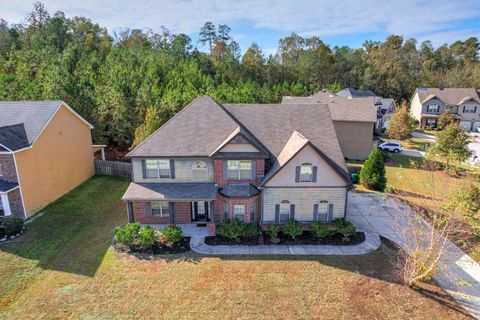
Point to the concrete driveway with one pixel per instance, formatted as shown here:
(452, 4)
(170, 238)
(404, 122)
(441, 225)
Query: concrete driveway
(458, 274)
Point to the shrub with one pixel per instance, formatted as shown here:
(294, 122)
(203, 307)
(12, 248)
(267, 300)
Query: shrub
(172, 234)
(12, 226)
(321, 229)
(127, 234)
(251, 230)
(272, 231)
(292, 228)
(232, 229)
(147, 237)
(372, 175)
(345, 227)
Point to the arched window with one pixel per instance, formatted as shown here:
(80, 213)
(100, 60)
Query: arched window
(199, 170)
(306, 172)
(284, 210)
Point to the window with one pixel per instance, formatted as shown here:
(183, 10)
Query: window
(433, 108)
(160, 208)
(239, 212)
(1, 170)
(239, 170)
(157, 168)
(199, 170)
(431, 122)
(284, 211)
(306, 172)
(253, 208)
(226, 211)
(322, 213)
(469, 109)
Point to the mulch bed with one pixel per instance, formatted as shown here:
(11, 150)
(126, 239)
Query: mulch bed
(307, 238)
(158, 248)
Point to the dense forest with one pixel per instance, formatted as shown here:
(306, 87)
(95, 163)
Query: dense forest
(112, 79)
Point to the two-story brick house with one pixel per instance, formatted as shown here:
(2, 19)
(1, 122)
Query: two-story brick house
(264, 163)
(428, 104)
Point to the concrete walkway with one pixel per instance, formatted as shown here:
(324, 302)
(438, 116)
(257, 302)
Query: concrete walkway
(459, 275)
(371, 243)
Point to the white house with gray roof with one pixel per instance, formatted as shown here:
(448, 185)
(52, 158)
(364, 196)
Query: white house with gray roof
(428, 104)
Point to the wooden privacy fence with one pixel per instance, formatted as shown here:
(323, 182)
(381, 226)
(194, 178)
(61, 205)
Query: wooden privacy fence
(113, 168)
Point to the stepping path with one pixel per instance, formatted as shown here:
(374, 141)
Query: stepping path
(371, 243)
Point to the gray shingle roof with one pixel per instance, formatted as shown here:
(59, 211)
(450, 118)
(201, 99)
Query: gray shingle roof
(33, 114)
(351, 92)
(236, 190)
(451, 96)
(170, 191)
(14, 137)
(7, 185)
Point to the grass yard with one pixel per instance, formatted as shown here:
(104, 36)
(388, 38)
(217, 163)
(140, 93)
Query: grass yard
(64, 267)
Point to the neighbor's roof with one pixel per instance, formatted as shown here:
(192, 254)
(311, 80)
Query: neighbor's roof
(34, 115)
(351, 92)
(170, 191)
(13, 137)
(7, 185)
(341, 108)
(451, 96)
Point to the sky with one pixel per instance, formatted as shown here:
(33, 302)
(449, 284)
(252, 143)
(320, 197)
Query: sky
(336, 22)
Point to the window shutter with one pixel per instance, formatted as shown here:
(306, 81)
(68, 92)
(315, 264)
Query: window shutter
(463, 108)
(206, 207)
(195, 209)
(330, 212)
(292, 212)
(315, 212)
(254, 169)
(148, 208)
(144, 169)
(225, 167)
(297, 174)
(172, 169)
(277, 213)
(314, 173)
(171, 212)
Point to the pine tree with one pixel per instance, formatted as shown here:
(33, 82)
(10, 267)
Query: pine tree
(372, 175)
(208, 35)
(401, 124)
(151, 123)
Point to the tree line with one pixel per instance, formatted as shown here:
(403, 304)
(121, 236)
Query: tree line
(113, 79)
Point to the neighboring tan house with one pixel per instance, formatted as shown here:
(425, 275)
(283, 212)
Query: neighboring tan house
(428, 104)
(385, 106)
(354, 121)
(45, 151)
(263, 163)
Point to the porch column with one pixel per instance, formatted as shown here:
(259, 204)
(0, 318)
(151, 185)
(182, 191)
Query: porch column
(130, 212)
(6, 204)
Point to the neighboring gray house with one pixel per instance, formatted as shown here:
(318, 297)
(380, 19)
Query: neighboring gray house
(428, 104)
(354, 121)
(262, 163)
(385, 106)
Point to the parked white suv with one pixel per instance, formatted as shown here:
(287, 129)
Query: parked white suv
(391, 146)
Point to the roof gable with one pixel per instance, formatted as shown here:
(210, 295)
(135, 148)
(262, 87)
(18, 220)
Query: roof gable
(451, 96)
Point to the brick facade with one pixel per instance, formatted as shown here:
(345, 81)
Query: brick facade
(183, 212)
(247, 202)
(218, 172)
(8, 167)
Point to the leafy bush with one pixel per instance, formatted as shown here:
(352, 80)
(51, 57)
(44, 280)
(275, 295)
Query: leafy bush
(251, 230)
(345, 227)
(372, 175)
(321, 229)
(146, 237)
(172, 235)
(11, 226)
(273, 230)
(292, 228)
(232, 229)
(127, 234)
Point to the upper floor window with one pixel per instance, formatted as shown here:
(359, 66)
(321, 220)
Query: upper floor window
(158, 168)
(160, 208)
(306, 172)
(239, 170)
(469, 109)
(284, 211)
(433, 108)
(199, 170)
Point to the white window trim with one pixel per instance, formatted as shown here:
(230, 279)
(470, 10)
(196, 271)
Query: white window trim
(239, 170)
(200, 170)
(157, 165)
(162, 214)
(306, 165)
(235, 214)
(473, 107)
(433, 105)
(285, 209)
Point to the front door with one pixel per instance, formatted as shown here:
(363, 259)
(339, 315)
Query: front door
(200, 211)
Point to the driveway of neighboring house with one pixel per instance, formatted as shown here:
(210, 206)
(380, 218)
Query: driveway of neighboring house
(458, 274)
(412, 153)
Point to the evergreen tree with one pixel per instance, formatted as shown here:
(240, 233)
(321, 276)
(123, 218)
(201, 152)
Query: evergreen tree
(401, 124)
(372, 175)
(151, 123)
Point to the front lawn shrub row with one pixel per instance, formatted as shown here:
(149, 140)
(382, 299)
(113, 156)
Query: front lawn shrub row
(133, 236)
(294, 229)
(237, 229)
(11, 227)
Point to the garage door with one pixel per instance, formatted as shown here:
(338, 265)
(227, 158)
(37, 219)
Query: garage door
(467, 125)
(476, 126)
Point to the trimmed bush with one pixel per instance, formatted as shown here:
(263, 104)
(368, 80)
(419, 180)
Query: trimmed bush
(172, 234)
(321, 229)
(345, 227)
(127, 234)
(272, 231)
(11, 226)
(251, 230)
(146, 237)
(372, 175)
(292, 228)
(232, 229)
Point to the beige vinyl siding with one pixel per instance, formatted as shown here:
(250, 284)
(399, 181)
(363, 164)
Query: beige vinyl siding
(416, 107)
(183, 171)
(239, 147)
(303, 199)
(469, 116)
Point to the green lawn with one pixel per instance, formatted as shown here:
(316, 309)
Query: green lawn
(64, 267)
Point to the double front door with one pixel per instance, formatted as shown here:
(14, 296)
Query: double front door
(200, 211)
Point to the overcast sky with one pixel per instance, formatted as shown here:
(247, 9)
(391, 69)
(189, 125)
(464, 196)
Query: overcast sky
(337, 22)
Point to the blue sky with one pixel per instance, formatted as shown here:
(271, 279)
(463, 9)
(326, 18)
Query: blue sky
(336, 22)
